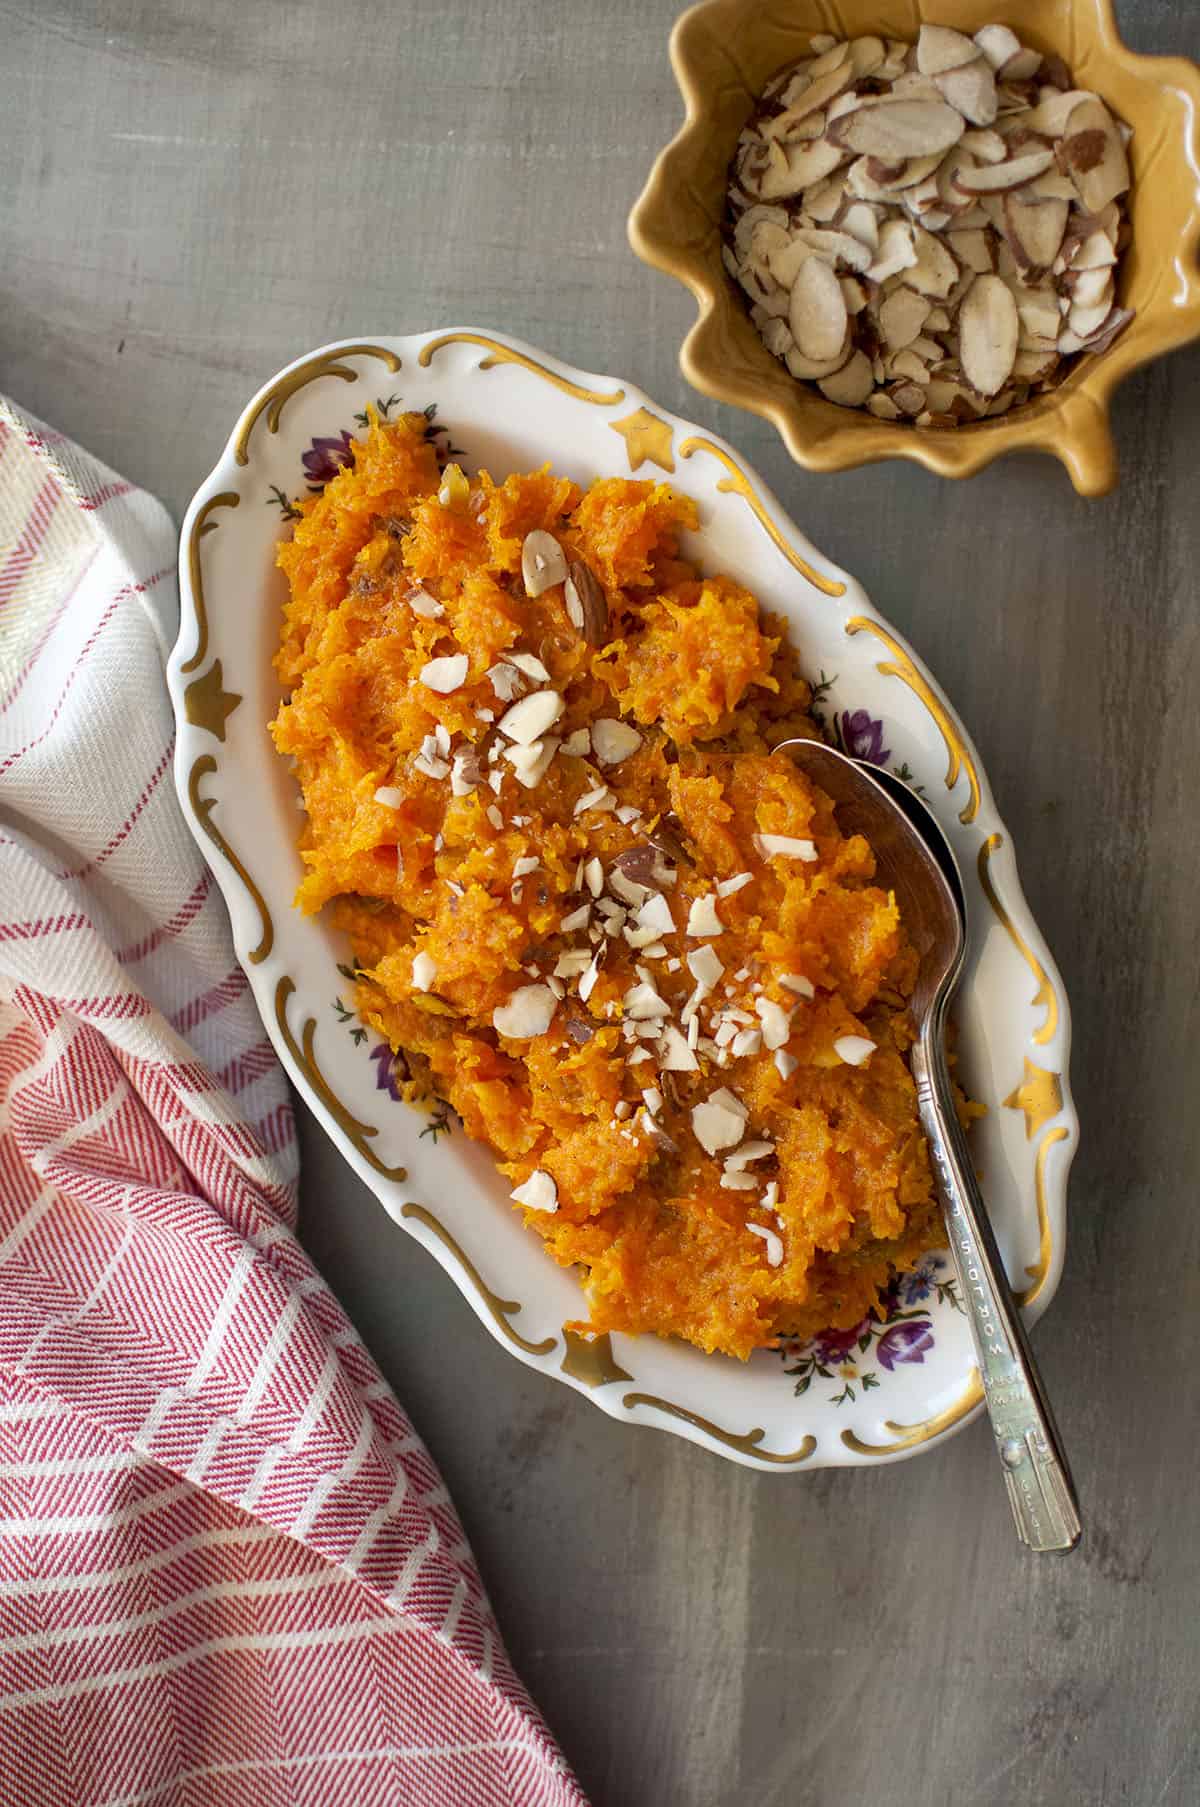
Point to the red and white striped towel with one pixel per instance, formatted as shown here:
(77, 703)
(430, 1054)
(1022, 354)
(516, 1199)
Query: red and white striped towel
(229, 1570)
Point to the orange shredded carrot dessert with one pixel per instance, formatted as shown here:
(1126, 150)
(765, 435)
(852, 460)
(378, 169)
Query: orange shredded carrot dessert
(630, 947)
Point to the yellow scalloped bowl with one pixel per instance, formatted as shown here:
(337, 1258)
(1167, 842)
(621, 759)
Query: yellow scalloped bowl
(725, 51)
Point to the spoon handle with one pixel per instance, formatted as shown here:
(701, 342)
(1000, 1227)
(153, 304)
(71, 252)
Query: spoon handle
(1040, 1489)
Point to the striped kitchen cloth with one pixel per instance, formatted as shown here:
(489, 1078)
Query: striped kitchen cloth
(229, 1570)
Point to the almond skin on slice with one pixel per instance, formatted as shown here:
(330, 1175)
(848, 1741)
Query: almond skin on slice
(895, 129)
(1034, 230)
(1092, 154)
(995, 177)
(817, 311)
(939, 48)
(988, 327)
(850, 386)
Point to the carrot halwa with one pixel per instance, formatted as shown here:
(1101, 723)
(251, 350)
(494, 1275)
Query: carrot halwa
(588, 906)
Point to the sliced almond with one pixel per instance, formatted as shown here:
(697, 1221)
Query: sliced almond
(817, 313)
(850, 386)
(811, 370)
(830, 55)
(988, 328)
(943, 393)
(902, 314)
(972, 91)
(853, 293)
(777, 337)
(1049, 118)
(866, 54)
(543, 562)
(1095, 252)
(835, 247)
(1034, 230)
(896, 250)
(1116, 323)
(882, 406)
(909, 399)
(586, 603)
(935, 272)
(939, 48)
(899, 128)
(912, 85)
(861, 220)
(1039, 313)
(911, 173)
(1051, 187)
(972, 247)
(912, 368)
(1034, 366)
(1093, 155)
(998, 44)
(529, 1012)
(985, 146)
(824, 201)
(1023, 64)
(818, 94)
(993, 178)
(755, 216)
(792, 168)
(446, 674)
(1091, 287)
(1084, 321)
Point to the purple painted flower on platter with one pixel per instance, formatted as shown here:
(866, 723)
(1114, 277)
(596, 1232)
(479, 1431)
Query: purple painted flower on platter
(862, 736)
(326, 457)
(833, 1347)
(905, 1342)
(385, 1077)
(919, 1282)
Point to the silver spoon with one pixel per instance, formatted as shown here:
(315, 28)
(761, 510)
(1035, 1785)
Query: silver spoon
(915, 862)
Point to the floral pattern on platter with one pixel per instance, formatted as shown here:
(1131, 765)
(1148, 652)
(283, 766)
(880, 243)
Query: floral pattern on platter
(328, 453)
(904, 1334)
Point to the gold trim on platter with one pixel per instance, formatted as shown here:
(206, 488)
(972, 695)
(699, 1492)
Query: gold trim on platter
(302, 1053)
(202, 808)
(274, 399)
(1039, 1095)
(739, 484)
(590, 1359)
(508, 354)
(1044, 995)
(200, 526)
(958, 761)
(907, 1436)
(1041, 1267)
(747, 1441)
(207, 704)
(500, 1309)
(647, 438)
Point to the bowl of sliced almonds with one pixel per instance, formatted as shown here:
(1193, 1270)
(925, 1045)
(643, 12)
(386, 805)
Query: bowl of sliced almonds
(939, 232)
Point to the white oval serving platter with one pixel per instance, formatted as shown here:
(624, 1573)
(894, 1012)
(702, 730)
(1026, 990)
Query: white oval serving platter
(876, 1394)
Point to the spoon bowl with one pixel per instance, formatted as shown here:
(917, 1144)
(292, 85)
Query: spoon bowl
(914, 861)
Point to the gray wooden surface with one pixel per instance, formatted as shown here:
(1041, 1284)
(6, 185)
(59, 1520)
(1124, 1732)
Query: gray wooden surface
(192, 195)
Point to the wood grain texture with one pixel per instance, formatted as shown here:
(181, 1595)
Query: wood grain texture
(192, 196)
